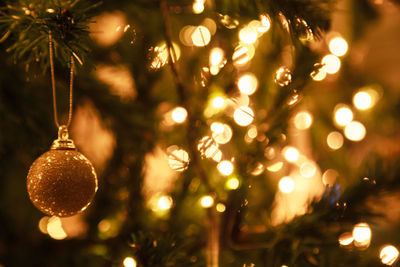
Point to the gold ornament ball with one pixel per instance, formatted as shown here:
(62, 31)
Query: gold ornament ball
(62, 182)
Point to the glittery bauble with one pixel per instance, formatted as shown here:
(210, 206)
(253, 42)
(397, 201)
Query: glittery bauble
(62, 182)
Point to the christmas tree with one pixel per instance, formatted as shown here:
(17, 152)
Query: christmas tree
(223, 133)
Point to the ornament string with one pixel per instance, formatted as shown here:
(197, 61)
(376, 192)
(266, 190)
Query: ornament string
(53, 85)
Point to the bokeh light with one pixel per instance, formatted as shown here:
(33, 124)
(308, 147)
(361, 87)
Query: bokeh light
(222, 133)
(179, 114)
(216, 56)
(362, 235)
(338, 46)
(225, 167)
(218, 102)
(198, 6)
(303, 120)
(248, 83)
(355, 131)
(164, 202)
(388, 254)
(243, 116)
(363, 100)
(275, 167)
(283, 76)
(308, 169)
(55, 229)
(286, 185)
(201, 36)
(329, 177)
(335, 140)
(319, 73)
(232, 183)
(129, 262)
(346, 239)
(343, 115)
(290, 153)
(248, 35)
(207, 201)
(331, 63)
(265, 24)
(178, 159)
(220, 207)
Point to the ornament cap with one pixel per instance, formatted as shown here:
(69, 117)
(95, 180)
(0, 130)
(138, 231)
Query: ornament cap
(63, 142)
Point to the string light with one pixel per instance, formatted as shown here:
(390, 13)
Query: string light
(331, 63)
(179, 114)
(207, 201)
(216, 56)
(220, 207)
(338, 46)
(243, 116)
(248, 83)
(218, 102)
(286, 185)
(343, 115)
(201, 36)
(232, 183)
(364, 100)
(164, 202)
(225, 167)
(355, 131)
(290, 153)
(129, 262)
(334, 140)
(388, 254)
(248, 35)
(303, 120)
(362, 235)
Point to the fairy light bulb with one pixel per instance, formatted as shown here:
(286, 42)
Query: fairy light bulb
(338, 46)
(225, 167)
(290, 153)
(343, 115)
(286, 185)
(164, 202)
(362, 234)
(220, 207)
(198, 6)
(248, 83)
(362, 100)
(243, 116)
(303, 120)
(129, 262)
(334, 140)
(355, 131)
(179, 114)
(232, 183)
(331, 63)
(201, 36)
(207, 201)
(388, 254)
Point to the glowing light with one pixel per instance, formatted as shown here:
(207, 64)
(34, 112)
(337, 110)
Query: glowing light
(308, 169)
(179, 114)
(104, 31)
(388, 254)
(283, 76)
(198, 7)
(319, 74)
(161, 56)
(291, 154)
(104, 225)
(355, 131)
(208, 147)
(248, 35)
(243, 116)
(55, 229)
(286, 185)
(207, 201)
(248, 83)
(275, 167)
(362, 234)
(329, 177)
(303, 120)
(232, 183)
(335, 140)
(331, 63)
(220, 207)
(129, 262)
(178, 159)
(338, 46)
(343, 115)
(225, 167)
(346, 239)
(252, 132)
(265, 24)
(201, 36)
(363, 100)
(216, 56)
(222, 133)
(243, 53)
(43, 224)
(218, 102)
(164, 202)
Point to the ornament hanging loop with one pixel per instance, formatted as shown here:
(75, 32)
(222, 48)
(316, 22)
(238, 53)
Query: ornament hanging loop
(63, 142)
(53, 85)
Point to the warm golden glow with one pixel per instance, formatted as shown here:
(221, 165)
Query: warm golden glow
(232, 183)
(275, 167)
(265, 24)
(363, 100)
(248, 83)
(129, 262)
(207, 201)
(355, 131)
(388, 254)
(105, 31)
(248, 35)
(343, 115)
(252, 132)
(329, 177)
(178, 159)
(362, 235)
(338, 46)
(225, 167)
(243, 116)
(334, 140)
(303, 120)
(179, 114)
(222, 133)
(346, 239)
(161, 56)
(283, 76)
(209, 148)
(216, 56)
(164, 202)
(220, 207)
(331, 63)
(55, 229)
(218, 102)
(308, 169)
(319, 74)
(286, 185)
(243, 53)
(198, 6)
(290, 153)
(201, 36)
(43, 224)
